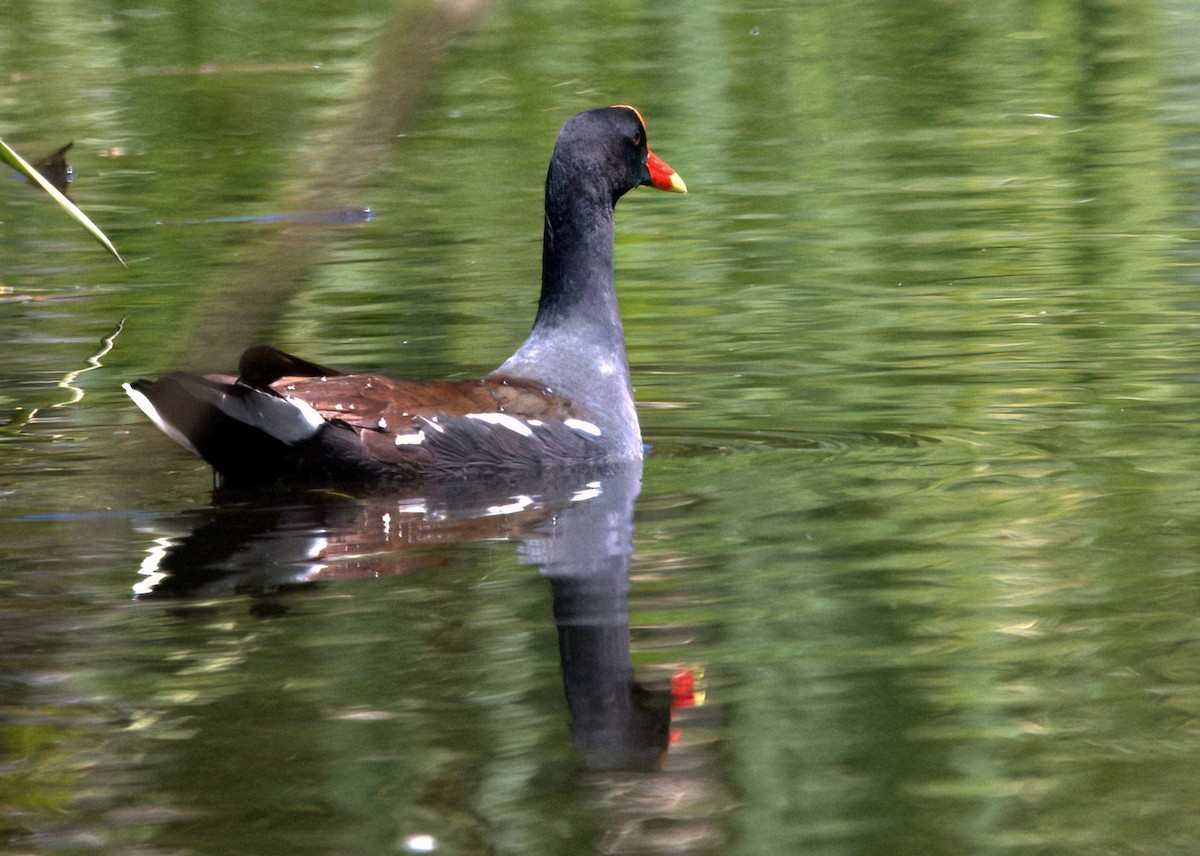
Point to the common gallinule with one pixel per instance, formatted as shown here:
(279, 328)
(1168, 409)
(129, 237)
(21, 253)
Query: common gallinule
(563, 399)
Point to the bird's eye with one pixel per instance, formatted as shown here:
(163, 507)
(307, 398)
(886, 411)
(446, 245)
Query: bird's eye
(637, 138)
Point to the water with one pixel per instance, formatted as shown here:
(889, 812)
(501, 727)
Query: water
(916, 357)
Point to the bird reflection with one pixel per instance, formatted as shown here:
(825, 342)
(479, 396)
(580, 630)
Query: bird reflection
(576, 528)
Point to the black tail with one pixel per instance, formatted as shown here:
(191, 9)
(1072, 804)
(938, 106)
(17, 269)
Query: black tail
(244, 433)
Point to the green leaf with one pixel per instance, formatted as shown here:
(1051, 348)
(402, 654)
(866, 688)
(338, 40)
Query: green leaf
(18, 163)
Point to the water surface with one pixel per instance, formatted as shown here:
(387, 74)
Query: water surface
(916, 357)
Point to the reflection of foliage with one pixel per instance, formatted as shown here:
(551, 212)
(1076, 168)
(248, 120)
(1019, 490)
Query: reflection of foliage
(20, 165)
(69, 382)
(38, 771)
(948, 644)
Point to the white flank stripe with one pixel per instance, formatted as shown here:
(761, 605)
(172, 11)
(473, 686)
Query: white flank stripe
(582, 427)
(410, 439)
(503, 420)
(431, 422)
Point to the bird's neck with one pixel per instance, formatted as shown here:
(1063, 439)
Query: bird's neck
(578, 287)
(577, 345)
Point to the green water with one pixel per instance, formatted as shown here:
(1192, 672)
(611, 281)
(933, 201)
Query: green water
(916, 355)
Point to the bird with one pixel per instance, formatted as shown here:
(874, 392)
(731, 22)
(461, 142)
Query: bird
(563, 399)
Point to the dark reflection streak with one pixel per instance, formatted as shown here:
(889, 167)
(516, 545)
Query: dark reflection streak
(324, 216)
(238, 314)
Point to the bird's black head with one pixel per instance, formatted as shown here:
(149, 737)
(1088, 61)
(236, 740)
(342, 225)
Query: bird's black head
(608, 147)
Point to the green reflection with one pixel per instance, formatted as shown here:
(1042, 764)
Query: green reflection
(917, 356)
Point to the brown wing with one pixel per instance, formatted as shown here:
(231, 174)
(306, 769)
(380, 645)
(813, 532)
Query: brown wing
(451, 427)
(396, 405)
(414, 428)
